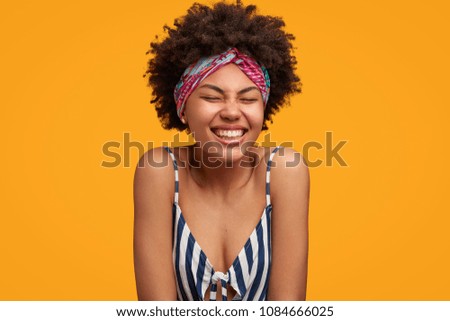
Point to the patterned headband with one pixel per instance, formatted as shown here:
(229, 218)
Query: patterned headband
(195, 73)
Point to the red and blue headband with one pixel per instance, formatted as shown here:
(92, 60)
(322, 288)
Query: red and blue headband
(195, 73)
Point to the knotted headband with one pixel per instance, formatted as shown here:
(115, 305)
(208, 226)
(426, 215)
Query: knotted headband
(195, 73)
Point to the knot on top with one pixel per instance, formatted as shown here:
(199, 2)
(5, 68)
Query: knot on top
(219, 276)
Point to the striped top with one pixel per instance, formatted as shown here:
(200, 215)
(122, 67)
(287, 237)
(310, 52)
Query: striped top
(249, 273)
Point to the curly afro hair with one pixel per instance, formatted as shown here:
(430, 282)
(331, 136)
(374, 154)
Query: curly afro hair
(206, 31)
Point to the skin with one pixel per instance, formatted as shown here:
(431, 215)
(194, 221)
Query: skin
(221, 205)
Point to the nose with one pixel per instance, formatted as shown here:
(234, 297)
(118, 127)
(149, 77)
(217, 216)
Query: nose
(231, 110)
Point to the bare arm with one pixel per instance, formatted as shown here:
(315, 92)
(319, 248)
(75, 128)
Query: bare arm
(290, 201)
(153, 197)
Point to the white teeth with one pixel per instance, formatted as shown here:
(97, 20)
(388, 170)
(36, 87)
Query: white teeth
(229, 133)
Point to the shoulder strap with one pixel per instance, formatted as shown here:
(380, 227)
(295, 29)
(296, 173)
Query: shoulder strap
(175, 167)
(269, 164)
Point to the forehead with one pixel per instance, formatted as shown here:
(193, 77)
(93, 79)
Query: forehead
(229, 77)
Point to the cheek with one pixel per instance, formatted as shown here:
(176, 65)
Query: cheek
(197, 114)
(256, 117)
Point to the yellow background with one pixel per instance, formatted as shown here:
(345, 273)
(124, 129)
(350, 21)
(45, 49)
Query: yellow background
(374, 73)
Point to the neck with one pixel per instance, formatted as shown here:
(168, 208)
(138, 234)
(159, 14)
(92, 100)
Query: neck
(217, 174)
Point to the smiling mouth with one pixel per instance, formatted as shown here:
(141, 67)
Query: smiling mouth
(229, 134)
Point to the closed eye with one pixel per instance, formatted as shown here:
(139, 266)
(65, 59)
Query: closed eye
(210, 98)
(249, 100)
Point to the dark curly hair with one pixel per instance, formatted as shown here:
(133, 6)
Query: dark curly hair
(206, 31)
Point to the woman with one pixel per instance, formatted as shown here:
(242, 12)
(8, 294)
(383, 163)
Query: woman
(224, 219)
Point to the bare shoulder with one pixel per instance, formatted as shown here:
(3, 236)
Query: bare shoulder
(154, 176)
(155, 164)
(289, 175)
(157, 158)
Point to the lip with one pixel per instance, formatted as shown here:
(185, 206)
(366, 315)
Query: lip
(237, 141)
(230, 127)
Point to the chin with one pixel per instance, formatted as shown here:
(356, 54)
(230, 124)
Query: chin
(230, 155)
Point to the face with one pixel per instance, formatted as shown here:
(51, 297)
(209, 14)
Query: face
(225, 112)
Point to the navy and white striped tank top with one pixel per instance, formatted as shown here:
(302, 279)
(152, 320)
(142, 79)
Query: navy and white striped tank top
(249, 273)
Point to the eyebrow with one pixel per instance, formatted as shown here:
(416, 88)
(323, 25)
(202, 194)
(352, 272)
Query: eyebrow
(220, 90)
